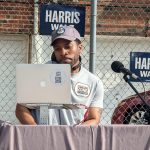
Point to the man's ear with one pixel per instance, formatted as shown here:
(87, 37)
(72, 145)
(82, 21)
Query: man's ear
(53, 57)
(80, 46)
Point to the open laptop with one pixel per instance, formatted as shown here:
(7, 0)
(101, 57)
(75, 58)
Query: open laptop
(43, 84)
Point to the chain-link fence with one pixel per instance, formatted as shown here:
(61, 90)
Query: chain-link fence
(122, 27)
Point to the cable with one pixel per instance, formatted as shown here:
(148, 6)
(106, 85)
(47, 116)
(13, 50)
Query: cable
(144, 96)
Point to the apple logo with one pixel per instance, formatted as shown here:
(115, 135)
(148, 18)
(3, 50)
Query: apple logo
(43, 83)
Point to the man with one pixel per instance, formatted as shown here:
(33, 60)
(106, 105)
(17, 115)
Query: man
(86, 88)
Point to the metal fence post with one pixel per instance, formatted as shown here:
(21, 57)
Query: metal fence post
(36, 16)
(93, 36)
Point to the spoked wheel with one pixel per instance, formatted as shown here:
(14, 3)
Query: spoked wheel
(132, 110)
(137, 115)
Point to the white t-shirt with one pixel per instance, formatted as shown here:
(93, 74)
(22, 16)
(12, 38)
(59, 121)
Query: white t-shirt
(86, 89)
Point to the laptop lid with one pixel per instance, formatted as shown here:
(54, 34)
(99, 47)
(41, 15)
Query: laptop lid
(43, 83)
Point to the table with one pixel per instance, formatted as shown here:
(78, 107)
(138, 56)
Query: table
(46, 137)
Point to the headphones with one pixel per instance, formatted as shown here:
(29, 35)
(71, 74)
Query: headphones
(53, 58)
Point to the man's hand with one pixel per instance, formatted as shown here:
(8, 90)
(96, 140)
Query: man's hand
(94, 115)
(24, 115)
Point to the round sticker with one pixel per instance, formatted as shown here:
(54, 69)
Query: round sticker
(60, 30)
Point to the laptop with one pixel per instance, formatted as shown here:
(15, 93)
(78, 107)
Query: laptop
(43, 84)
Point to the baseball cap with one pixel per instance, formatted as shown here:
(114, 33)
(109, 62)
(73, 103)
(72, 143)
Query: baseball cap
(66, 32)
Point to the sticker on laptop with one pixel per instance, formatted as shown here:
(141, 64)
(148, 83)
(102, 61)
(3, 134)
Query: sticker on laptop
(58, 77)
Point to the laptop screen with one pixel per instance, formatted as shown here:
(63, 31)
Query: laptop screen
(43, 83)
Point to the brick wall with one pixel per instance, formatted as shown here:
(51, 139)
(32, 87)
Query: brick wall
(120, 17)
(115, 17)
(16, 17)
(127, 17)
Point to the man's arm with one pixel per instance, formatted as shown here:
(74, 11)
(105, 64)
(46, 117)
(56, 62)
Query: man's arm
(94, 115)
(24, 115)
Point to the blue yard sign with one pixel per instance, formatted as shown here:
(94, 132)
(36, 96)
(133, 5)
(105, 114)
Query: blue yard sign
(140, 65)
(54, 16)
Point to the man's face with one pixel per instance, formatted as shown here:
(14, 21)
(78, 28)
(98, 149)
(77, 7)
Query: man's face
(67, 52)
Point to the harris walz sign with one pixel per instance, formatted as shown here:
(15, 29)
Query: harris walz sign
(54, 16)
(140, 65)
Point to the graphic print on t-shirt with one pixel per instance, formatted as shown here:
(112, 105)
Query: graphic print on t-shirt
(82, 90)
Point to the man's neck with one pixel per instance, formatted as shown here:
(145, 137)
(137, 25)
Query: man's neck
(76, 68)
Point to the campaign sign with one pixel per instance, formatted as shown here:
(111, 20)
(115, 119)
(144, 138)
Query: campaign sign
(54, 16)
(140, 65)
